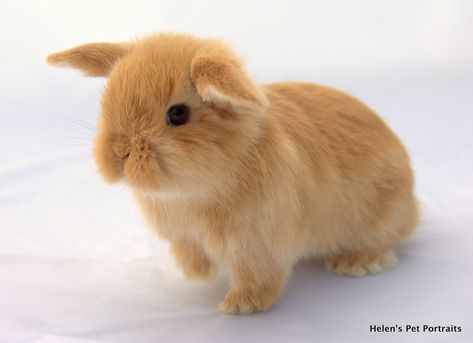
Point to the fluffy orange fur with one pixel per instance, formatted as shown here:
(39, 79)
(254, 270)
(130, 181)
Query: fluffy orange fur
(260, 177)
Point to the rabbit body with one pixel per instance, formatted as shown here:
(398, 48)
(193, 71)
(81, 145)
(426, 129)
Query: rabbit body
(260, 177)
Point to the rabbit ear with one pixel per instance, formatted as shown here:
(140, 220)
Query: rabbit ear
(219, 77)
(94, 59)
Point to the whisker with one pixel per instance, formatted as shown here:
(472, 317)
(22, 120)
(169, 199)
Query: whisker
(79, 144)
(80, 158)
(80, 123)
(81, 133)
(87, 179)
(83, 139)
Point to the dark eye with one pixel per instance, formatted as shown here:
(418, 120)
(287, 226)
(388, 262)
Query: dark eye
(177, 115)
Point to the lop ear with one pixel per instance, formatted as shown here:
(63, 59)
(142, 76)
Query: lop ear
(219, 77)
(94, 59)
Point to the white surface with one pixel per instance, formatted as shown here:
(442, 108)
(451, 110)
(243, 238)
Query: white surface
(77, 262)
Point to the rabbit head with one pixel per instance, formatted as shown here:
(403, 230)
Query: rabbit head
(177, 113)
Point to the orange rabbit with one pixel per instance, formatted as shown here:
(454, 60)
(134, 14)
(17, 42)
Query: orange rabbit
(254, 177)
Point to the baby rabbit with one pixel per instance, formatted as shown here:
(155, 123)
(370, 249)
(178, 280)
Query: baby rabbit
(254, 177)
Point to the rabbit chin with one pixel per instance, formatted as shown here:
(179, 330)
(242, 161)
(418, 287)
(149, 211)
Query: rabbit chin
(172, 194)
(168, 191)
(149, 180)
(156, 186)
(145, 181)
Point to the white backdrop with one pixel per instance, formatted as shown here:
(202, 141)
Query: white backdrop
(77, 262)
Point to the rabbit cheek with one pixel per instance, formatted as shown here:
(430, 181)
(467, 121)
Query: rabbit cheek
(108, 163)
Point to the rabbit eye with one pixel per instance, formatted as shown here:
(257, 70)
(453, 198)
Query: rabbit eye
(177, 115)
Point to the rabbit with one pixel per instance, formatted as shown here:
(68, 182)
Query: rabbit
(251, 177)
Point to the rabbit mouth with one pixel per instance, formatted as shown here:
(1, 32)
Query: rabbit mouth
(142, 172)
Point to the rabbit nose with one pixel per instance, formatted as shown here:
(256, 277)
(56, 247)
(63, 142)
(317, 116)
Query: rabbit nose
(139, 148)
